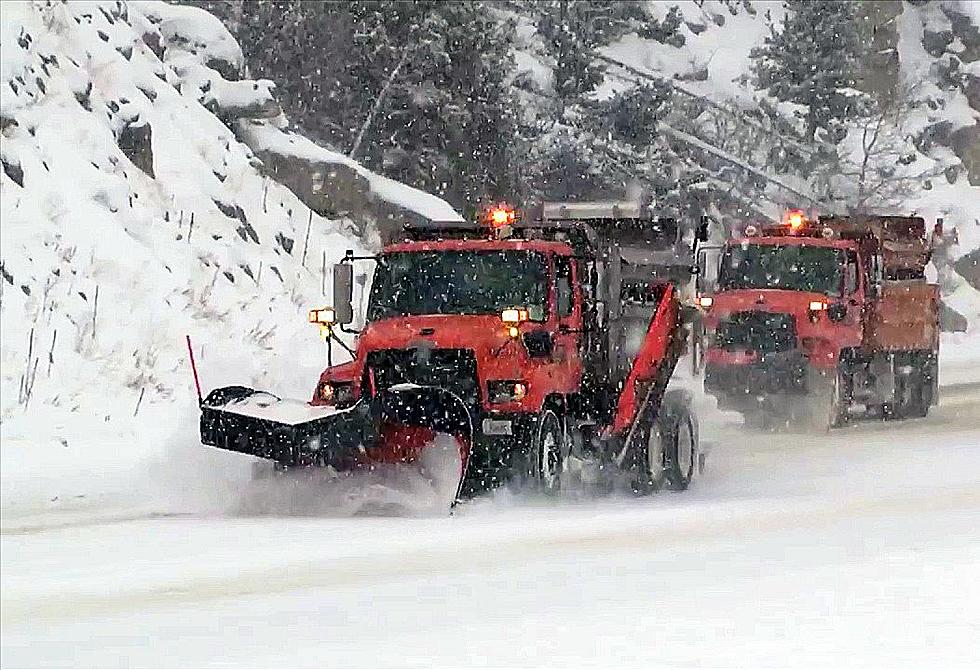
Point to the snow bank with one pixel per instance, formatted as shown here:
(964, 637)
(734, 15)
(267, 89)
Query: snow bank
(192, 30)
(133, 216)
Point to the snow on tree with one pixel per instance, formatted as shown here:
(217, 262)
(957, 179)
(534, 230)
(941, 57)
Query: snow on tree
(415, 90)
(812, 60)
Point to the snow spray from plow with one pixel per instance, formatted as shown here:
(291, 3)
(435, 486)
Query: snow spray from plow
(395, 427)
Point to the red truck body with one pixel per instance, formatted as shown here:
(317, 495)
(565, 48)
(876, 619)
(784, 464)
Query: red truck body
(835, 313)
(529, 361)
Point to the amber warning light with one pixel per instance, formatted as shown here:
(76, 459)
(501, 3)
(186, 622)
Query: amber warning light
(501, 215)
(795, 219)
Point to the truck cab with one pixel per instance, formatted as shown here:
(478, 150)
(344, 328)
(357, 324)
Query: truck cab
(498, 322)
(809, 311)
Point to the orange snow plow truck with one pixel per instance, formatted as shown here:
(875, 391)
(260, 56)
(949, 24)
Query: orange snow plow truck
(821, 320)
(534, 341)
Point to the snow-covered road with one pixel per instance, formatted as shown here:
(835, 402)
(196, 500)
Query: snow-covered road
(858, 549)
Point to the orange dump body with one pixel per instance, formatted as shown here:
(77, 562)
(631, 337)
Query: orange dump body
(905, 316)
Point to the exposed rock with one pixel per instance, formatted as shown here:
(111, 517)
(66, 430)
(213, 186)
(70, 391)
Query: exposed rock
(331, 190)
(937, 133)
(965, 143)
(935, 43)
(135, 141)
(971, 87)
(233, 100)
(968, 267)
(951, 321)
(13, 170)
(153, 41)
(965, 30)
(699, 74)
(879, 69)
(336, 187)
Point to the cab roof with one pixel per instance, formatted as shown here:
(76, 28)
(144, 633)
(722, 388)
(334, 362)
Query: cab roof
(485, 244)
(794, 240)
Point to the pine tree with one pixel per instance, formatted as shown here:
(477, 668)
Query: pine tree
(813, 60)
(414, 90)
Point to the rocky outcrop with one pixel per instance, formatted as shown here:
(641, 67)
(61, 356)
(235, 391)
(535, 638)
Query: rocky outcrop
(965, 143)
(951, 321)
(329, 189)
(968, 267)
(207, 64)
(136, 141)
(333, 185)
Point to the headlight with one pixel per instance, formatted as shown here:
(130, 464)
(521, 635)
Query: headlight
(340, 394)
(501, 391)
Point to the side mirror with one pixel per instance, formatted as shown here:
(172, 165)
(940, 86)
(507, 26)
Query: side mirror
(343, 292)
(837, 312)
(538, 343)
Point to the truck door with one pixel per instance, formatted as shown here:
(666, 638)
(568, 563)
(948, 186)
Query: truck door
(568, 338)
(852, 300)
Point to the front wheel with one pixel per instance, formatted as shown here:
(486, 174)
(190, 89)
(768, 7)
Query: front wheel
(543, 450)
(828, 399)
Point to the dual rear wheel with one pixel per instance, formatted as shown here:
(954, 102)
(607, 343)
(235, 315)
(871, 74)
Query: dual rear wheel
(665, 448)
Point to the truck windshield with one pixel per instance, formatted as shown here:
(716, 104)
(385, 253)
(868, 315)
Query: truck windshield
(458, 282)
(796, 267)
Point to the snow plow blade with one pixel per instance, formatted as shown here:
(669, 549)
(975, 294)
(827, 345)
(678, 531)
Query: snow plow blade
(393, 427)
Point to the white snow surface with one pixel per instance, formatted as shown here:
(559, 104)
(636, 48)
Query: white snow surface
(854, 550)
(282, 410)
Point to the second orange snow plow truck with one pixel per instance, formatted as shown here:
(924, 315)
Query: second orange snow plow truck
(528, 341)
(823, 316)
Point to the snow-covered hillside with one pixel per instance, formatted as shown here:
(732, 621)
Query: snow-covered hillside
(131, 217)
(719, 114)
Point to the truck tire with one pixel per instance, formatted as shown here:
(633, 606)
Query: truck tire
(920, 397)
(666, 452)
(649, 460)
(681, 455)
(828, 398)
(544, 453)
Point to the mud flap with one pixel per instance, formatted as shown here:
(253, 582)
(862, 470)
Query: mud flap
(395, 426)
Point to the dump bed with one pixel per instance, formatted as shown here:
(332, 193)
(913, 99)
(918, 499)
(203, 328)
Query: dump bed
(901, 240)
(904, 317)
(638, 251)
(903, 314)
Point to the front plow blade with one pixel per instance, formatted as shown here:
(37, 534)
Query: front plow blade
(397, 426)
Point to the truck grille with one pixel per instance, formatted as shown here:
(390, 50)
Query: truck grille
(451, 369)
(764, 332)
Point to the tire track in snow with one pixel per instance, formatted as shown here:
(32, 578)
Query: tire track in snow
(346, 572)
